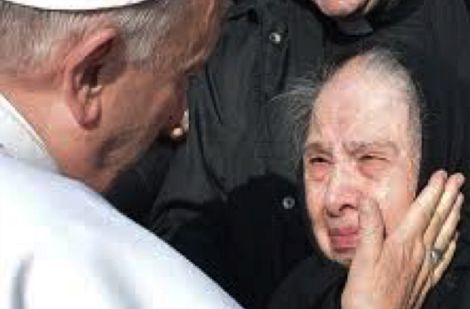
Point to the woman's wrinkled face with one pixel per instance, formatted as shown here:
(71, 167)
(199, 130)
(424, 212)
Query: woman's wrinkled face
(358, 149)
(343, 8)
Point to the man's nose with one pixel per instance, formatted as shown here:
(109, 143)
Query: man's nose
(343, 191)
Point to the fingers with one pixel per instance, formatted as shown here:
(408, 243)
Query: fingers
(421, 297)
(432, 222)
(404, 257)
(361, 282)
(440, 223)
(431, 273)
(444, 263)
(423, 208)
(441, 232)
(371, 232)
(448, 230)
(446, 239)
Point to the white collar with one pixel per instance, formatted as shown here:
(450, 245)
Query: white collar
(19, 140)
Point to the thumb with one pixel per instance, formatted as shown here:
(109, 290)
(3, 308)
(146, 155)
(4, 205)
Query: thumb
(371, 232)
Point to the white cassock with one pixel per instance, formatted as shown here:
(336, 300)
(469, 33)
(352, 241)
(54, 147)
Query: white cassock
(63, 246)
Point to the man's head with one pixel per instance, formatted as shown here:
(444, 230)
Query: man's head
(347, 8)
(362, 145)
(98, 86)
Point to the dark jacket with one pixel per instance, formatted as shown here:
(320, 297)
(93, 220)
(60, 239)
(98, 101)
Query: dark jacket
(318, 282)
(228, 200)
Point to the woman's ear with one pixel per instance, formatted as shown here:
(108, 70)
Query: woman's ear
(81, 78)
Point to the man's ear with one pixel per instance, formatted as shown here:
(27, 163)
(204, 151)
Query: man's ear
(81, 79)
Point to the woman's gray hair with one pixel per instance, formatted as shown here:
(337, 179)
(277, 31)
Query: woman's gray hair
(29, 36)
(301, 97)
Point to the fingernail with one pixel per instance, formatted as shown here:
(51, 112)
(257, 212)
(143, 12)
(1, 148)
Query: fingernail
(444, 174)
(440, 175)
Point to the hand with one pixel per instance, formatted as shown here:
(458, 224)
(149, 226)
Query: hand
(397, 272)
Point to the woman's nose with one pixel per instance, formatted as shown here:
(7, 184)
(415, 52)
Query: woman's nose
(343, 191)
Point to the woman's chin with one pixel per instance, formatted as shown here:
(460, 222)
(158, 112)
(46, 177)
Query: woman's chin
(339, 9)
(343, 257)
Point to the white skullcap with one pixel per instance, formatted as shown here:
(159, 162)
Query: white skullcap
(75, 5)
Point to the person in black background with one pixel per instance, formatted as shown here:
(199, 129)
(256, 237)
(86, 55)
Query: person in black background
(319, 280)
(228, 200)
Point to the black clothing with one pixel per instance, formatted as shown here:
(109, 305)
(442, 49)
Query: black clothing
(229, 200)
(134, 192)
(317, 282)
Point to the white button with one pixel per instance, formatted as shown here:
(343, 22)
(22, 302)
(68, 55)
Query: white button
(288, 202)
(275, 37)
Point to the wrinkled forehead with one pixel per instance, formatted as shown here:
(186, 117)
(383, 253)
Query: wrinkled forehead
(360, 103)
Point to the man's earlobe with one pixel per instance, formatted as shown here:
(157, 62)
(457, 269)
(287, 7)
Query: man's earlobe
(81, 78)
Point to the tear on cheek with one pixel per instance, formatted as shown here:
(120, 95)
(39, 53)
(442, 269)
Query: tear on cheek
(382, 192)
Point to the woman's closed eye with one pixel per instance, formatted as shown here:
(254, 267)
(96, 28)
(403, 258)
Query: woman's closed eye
(318, 167)
(372, 164)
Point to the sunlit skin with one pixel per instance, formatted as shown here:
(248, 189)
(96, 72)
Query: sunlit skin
(358, 148)
(134, 103)
(144, 104)
(96, 114)
(343, 8)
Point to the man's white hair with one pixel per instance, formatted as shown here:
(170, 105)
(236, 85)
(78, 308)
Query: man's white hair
(28, 36)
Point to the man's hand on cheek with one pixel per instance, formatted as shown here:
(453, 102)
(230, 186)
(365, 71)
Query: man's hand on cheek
(397, 271)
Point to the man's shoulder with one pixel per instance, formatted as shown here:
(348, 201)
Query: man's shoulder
(45, 210)
(56, 231)
(80, 277)
(24, 182)
(35, 199)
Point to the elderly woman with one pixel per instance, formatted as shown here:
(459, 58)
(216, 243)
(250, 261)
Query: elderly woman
(367, 152)
(236, 214)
